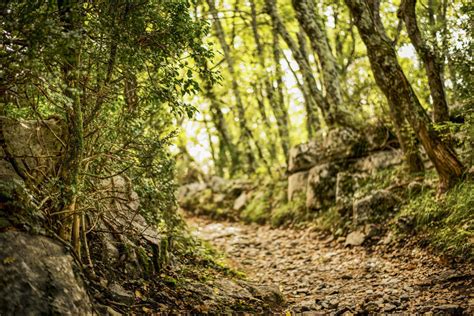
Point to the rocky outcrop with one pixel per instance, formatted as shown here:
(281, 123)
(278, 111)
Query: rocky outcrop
(339, 145)
(347, 184)
(330, 169)
(377, 161)
(39, 277)
(321, 186)
(208, 198)
(297, 182)
(373, 207)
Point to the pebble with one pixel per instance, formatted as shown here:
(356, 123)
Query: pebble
(326, 277)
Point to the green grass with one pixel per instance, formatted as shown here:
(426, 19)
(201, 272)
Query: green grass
(447, 223)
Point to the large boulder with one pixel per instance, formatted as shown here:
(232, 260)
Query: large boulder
(303, 156)
(126, 237)
(380, 137)
(321, 189)
(38, 277)
(297, 182)
(339, 145)
(374, 207)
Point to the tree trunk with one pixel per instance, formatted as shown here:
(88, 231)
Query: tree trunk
(304, 66)
(225, 139)
(313, 26)
(71, 166)
(430, 60)
(394, 84)
(245, 133)
(275, 96)
(310, 104)
(410, 151)
(402, 131)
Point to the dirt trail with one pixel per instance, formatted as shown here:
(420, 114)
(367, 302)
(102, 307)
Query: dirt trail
(322, 275)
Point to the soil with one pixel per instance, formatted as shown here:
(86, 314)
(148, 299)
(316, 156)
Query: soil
(320, 275)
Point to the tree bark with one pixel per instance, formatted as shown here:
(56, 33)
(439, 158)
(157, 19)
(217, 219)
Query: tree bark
(280, 109)
(304, 66)
(225, 139)
(268, 87)
(394, 84)
(245, 133)
(430, 60)
(71, 166)
(312, 24)
(402, 131)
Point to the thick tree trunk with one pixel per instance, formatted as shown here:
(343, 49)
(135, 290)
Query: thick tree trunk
(245, 133)
(310, 106)
(430, 60)
(394, 84)
(410, 151)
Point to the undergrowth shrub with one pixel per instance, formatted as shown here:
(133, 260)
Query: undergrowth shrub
(446, 224)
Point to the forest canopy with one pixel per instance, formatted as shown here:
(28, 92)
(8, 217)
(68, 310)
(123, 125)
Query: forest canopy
(122, 120)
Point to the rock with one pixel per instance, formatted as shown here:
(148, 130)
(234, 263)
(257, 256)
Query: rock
(265, 293)
(374, 207)
(338, 145)
(218, 198)
(342, 143)
(378, 161)
(346, 184)
(34, 145)
(321, 190)
(297, 182)
(302, 157)
(355, 239)
(120, 295)
(120, 194)
(187, 194)
(37, 277)
(380, 137)
(240, 202)
(218, 184)
(448, 309)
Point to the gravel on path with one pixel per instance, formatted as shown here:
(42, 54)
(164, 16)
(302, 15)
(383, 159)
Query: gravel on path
(320, 275)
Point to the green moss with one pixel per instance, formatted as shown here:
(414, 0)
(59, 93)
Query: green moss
(287, 212)
(144, 260)
(258, 210)
(447, 224)
(380, 180)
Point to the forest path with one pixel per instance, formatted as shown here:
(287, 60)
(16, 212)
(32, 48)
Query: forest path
(322, 275)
